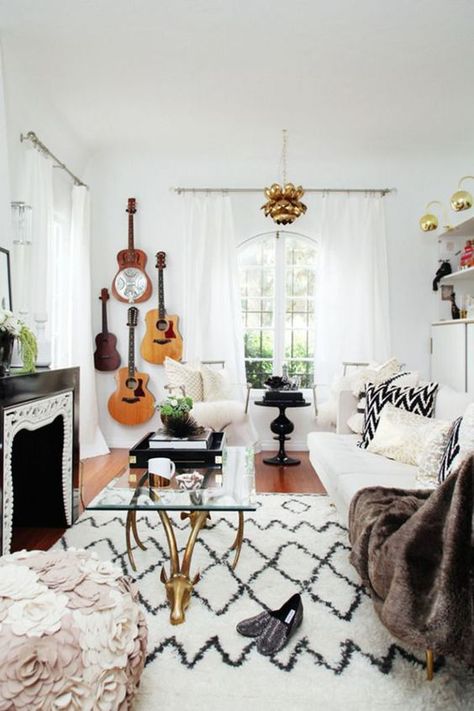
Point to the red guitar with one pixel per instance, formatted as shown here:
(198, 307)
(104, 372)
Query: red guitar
(162, 337)
(131, 284)
(106, 356)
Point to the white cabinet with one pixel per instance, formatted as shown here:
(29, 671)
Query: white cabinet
(448, 354)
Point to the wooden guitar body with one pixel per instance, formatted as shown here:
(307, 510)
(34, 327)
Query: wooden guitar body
(131, 283)
(162, 338)
(106, 356)
(132, 403)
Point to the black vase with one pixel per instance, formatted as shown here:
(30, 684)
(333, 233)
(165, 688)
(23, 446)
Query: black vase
(7, 341)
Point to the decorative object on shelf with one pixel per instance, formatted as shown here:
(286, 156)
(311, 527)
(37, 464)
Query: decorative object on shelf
(177, 421)
(429, 221)
(467, 255)
(10, 329)
(447, 291)
(21, 222)
(5, 280)
(106, 356)
(462, 199)
(162, 338)
(282, 382)
(443, 270)
(455, 312)
(43, 358)
(131, 283)
(132, 403)
(283, 204)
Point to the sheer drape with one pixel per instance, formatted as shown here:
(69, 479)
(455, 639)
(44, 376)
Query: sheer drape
(352, 301)
(212, 329)
(5, 218)
(71, 317)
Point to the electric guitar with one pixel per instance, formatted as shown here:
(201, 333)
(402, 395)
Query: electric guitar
(131, 284)
(162, 338)
(131, 403)
(106, 356)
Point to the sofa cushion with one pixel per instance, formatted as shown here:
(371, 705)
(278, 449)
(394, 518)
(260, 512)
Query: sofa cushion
(450, 404)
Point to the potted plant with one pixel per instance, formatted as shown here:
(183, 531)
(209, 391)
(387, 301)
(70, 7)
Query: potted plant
(177, 422)
(11, 328)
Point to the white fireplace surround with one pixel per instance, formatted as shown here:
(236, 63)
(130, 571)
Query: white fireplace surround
(32, 415)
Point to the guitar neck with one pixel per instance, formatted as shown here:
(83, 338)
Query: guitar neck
(104, 317)
(131, 245)
(161, 295)
(131, 351)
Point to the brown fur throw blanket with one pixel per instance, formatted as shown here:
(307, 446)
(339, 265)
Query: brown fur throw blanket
(414, 550)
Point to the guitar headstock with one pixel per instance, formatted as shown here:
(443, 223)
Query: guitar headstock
(161, 260)
(104, 295)
(132, 206)
(132, 317)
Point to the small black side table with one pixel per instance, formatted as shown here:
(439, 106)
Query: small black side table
(282, 426)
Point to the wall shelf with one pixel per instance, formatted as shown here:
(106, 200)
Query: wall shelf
(464, 229)
(461, 275)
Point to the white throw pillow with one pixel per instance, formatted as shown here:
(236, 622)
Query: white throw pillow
(430, 458)
(187, 376)
(402, 435)
(465, 437)
(216, 384)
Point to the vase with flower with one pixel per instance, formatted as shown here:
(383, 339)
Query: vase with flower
(176, 418)
(12, 328)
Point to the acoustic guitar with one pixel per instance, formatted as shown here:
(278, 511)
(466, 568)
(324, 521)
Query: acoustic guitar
(131, 284)
(106, 356)
(132, 403)
(162, 337)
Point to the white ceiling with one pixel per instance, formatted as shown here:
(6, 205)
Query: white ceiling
(224, 76)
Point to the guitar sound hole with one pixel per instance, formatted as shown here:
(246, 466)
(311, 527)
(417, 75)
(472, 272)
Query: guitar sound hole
(131, 383)
(162, 324)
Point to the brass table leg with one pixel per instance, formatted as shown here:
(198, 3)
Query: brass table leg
(429, 665)
(178, 584)
(237, 544)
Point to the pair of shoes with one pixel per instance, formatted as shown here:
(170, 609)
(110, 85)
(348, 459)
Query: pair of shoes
(273, 629)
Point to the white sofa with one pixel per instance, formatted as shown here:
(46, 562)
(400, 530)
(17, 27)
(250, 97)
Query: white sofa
(344, 468)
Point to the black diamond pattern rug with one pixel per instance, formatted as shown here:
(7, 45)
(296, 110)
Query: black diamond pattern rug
(340, 658)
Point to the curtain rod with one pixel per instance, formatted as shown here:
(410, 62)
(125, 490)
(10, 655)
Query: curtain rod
(382, 191)
(31, 136)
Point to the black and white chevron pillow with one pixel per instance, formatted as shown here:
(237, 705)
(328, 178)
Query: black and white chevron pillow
(450, 453)
(404, 378)
(420, 400)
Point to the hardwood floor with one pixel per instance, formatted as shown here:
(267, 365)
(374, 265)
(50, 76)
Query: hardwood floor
(98, 471)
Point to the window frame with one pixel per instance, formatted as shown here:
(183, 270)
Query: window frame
(280, 295)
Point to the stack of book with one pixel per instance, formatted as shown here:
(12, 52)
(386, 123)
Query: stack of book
(161, 440)
(283, 396)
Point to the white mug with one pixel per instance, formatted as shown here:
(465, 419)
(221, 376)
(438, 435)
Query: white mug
(160, 471)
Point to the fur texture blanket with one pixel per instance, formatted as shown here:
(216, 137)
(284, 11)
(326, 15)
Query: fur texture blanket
(414, 550)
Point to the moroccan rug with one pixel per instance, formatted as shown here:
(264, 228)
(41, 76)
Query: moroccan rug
(340, 658)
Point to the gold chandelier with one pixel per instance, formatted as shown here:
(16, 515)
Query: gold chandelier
(283, 204)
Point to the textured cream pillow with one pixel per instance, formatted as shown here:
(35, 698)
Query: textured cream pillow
(402, 435)
(216, 384)
(430, 458)
(187, 376)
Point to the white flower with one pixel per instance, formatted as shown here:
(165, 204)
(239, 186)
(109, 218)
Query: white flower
(111, 690)
(38, 616)
(100, 571)
(18, 582)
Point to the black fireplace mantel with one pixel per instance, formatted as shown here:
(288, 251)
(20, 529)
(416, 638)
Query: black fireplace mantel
(28, 393)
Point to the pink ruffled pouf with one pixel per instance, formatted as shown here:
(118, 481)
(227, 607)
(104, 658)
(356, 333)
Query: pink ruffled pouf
(72, 635)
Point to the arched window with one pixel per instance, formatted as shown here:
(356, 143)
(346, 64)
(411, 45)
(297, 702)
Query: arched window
(277, 287)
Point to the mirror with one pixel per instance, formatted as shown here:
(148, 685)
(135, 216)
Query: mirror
(5, 285)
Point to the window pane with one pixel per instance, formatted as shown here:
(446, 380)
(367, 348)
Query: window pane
(299, 252)
(257, 371)
(259, 344)
(304, 369)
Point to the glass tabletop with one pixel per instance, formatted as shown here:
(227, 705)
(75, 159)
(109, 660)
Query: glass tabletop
(227, 488)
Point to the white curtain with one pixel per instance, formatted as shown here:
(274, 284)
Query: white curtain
(5, 217)
(32, 262)
(71, 317)
(352, 300)
(212, 329)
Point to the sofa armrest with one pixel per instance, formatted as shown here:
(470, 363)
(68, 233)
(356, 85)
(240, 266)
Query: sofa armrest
(346, 406)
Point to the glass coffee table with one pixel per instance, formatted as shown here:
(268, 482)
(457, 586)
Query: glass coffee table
(227, 488)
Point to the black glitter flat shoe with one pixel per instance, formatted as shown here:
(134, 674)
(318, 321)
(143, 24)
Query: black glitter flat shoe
(254, 626)
(281, 625)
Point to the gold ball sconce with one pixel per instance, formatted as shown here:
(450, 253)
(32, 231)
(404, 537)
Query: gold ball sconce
(462, 199)
(429, 221)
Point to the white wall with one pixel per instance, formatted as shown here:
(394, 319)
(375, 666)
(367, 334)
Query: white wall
(116, 175)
